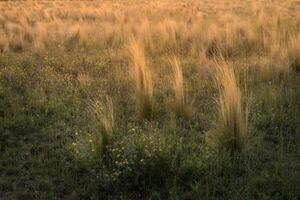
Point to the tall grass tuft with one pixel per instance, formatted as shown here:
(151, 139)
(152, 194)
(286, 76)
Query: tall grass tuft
(3, 42)
(294, 53)
(232, 131)
(104, 114)
(142, 80)
(178, 86)
(40, 37)
(16, 39)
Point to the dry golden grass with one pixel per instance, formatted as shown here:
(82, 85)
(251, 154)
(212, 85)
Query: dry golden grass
(84, 79)
(76, 35)
(40, 37)
(104, 112)
(232, 131)
(142, 80)
(233, 28)
(294, 53)
(178, 86)
(3, 42)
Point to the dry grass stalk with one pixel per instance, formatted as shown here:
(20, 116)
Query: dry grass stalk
(142, 80)
(294, 53)
(104, 114)
(232, 131)
(178, 86)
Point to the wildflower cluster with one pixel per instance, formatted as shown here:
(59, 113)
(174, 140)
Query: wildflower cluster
(121, 163)
(135, 155)
(86, 145)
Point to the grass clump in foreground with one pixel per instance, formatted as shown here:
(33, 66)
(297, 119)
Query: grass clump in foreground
(178, 87)
(104, 114)
(93, 143)
(142, 80)
(232, 131)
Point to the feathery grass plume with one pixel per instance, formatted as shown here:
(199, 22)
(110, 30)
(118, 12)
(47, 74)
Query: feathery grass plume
(178, 86)
(2, 19)
(167, 31)
(24, 21)
(77, 35)
(212, 40)
(84, 79)
(232, 131)
(142, 80)
(294, 53)
(229, 41)
(15, 36)
(104, 113)
(204, 65)
(3, 42)
(40, 39)
(146, 35)
(278, 59)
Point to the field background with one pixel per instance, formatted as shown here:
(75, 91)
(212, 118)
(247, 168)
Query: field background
(123, 99)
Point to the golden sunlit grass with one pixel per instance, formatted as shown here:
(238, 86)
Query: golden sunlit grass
(142, 80)
(294, 53)
(178, 86)
(224, 32)
(76, 35)
(103, 111)
(232, 130)
(3, 42)
(40, 38)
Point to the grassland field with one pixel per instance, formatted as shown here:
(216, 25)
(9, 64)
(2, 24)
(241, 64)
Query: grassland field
(162, 99)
